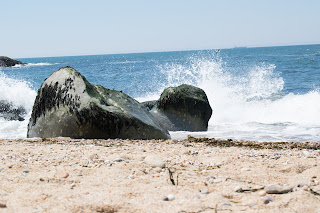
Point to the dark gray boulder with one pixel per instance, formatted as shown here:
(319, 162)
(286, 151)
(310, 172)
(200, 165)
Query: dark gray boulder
(68, 105)
(9, 112)
(183, 108)
(8, 62)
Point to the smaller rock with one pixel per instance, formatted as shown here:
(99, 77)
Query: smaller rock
(73, 185)
(262, 193)
(118, 160)
(154, 161)
(1, 168)
(238, 189)
(26, 171)
(3, 204)
(64, 175)
(204, 191)
(278, 189)
(169, 197)
(226, 204)
(267, 199)
(131, 176)
(41, 179)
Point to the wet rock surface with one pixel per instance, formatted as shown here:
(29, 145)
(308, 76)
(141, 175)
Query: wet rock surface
(68, 105)
(182, 108)
(10, 112)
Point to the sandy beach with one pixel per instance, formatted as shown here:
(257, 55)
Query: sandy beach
(194, 175)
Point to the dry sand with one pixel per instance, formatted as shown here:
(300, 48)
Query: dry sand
(64, 175)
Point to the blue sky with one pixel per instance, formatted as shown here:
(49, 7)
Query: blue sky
(37, 28)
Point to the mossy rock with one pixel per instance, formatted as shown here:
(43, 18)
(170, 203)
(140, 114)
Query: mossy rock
(68, 105)
(183, 108)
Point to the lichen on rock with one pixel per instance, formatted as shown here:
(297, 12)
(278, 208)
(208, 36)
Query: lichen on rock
(68, 105)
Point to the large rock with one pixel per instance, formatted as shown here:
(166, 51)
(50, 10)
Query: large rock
(8, 62)
(182, 108)
(68, 105)
(9, 112)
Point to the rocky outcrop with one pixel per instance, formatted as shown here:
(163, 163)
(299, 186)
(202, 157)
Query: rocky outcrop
(182, 108)
(9, 112)
(8, 62)
(68, 105)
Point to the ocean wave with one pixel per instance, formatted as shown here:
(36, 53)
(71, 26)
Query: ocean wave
(17, 92)
(34, 64)
(247, 104)
(124, 62)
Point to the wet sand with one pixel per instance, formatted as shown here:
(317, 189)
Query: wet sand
(199, 175)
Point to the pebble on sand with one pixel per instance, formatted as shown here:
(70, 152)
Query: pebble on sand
(169, 197)
(267, 199)
(278, 189)
(73, 185)
(3, 204)
(238, 189)
(204, 191)
(154, 161)
(262, 193)
(118, 160)
(64, 175)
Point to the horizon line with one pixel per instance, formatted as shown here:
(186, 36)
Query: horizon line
(168, 51)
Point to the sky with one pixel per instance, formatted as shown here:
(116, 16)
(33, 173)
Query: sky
(39, 28)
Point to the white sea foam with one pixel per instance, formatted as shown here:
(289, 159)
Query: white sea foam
(33, 64)
(248, 105)
(19, 94)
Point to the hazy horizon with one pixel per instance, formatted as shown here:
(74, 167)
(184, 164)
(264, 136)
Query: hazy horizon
(123, 53)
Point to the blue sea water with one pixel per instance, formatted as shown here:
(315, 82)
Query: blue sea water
(263, 94)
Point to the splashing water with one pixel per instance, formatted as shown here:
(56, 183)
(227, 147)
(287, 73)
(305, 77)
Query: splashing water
(16, 92)
(248, 104)
(19, 94)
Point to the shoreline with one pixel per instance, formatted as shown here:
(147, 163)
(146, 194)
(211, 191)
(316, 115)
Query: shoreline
(203, 175)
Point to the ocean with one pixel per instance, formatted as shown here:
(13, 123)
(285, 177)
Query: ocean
(261, 94)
